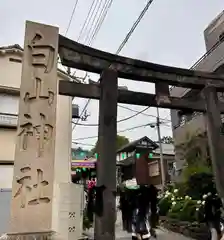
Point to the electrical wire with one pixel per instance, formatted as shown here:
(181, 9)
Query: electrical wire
(96, 125)
(72, 16)
(87, 18)
(124, 130)
(88, 32)
(134, 26)
(69, 25)
(99, 22)
(119, 121)
(98, 28)
(145, 114)
(120, 48)
(121, 131)
(84, 144)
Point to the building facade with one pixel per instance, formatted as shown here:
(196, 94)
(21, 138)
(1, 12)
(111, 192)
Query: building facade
(146, 164)
(10, 79)
(193, 123)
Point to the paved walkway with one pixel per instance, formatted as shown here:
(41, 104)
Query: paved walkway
(162, 234)
(167, 235)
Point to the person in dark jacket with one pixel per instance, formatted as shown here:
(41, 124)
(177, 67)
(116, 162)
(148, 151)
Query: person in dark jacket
(139, 209)
(212, 213)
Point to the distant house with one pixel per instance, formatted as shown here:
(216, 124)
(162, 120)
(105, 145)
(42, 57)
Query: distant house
(80, 154)
(140, 159)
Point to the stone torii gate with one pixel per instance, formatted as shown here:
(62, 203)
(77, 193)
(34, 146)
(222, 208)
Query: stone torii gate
(35, 171)
(111, 67)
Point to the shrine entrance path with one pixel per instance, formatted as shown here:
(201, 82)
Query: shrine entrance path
(162, 234)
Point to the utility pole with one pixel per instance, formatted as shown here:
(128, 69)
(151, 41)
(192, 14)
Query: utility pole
(162, 170)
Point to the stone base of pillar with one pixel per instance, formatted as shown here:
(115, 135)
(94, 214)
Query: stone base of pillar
(32, 236)
(67, 216)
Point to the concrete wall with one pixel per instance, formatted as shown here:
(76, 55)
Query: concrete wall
(5, 201)
(214, 31)
(10, 77)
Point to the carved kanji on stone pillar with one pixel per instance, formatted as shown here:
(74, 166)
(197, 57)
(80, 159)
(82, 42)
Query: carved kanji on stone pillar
(34, 171)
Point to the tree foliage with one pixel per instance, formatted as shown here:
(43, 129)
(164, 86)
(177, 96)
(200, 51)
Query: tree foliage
(167, 139)
(194, 151)
(121, 141)
(197, 174)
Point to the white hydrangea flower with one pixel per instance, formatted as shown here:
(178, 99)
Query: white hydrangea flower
(205, 196)
(175, 190)
(209, 194)
(199, 202)
(172, 198)
(203, 203)
(174, 203)
(197, 209)
(187, 197)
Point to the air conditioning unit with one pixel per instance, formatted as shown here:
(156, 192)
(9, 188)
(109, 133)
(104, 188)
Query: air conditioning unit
(75, 111)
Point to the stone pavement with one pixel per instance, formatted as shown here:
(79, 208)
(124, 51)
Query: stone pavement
(162, 234)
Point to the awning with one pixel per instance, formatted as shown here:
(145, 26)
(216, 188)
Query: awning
(83, 163)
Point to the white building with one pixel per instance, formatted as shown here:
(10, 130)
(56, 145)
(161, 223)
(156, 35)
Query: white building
(10, 78)
(194, 123)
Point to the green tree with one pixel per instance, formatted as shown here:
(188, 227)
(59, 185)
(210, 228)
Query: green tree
(121, 141)
(167, 139)
(197, 174)
(194, 150)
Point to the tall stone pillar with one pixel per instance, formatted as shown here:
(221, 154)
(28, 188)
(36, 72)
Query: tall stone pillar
(33, 182)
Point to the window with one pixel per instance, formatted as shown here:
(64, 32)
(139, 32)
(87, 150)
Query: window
(153, 169)
(9, 104)
(6, 176)
(15, 60)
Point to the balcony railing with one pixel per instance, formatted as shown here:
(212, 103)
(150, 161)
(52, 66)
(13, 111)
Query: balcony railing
(188, 118)
(8, 120)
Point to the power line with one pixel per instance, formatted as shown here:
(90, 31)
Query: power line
(99, 26)
(134, 26)
(121, 131)
(87, 18)
(99, 22)
(96, 125)
(124, 130)
(121, 46)
(69, 24)
(143, 113)
(71, 18)
(91, 25)
(84, 144)
(119, 121)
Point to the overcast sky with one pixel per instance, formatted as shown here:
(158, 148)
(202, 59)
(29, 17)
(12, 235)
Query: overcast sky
(171, 33)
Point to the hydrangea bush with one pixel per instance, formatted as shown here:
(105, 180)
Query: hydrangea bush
(184, 208)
